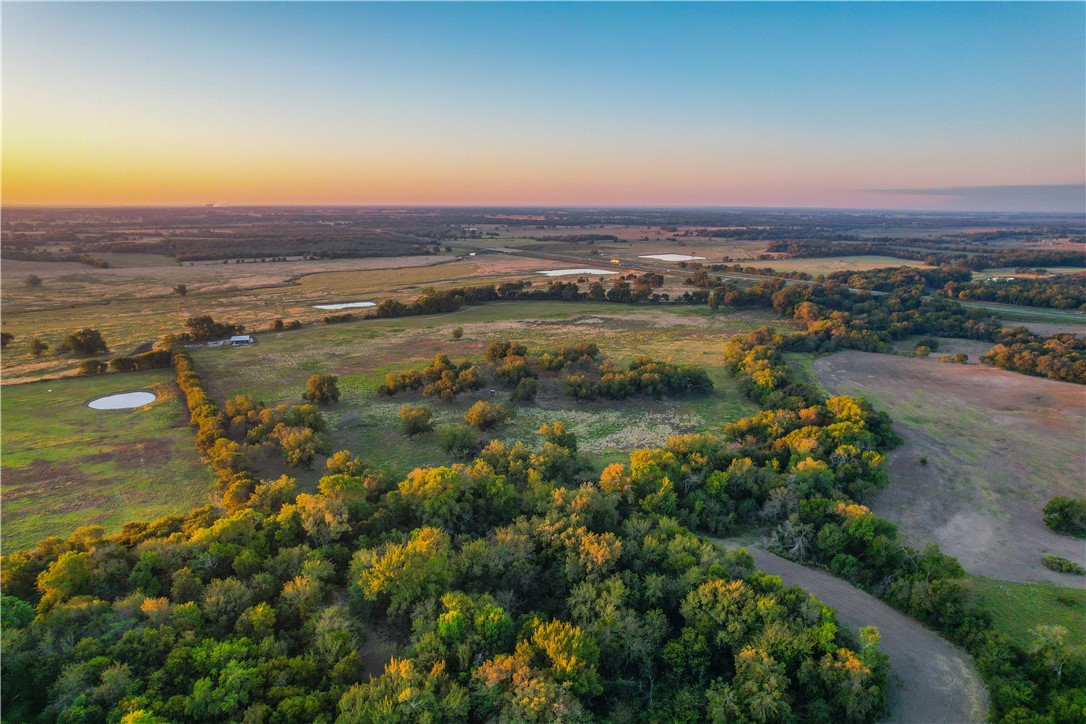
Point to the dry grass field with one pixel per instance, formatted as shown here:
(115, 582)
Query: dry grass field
(984, 450)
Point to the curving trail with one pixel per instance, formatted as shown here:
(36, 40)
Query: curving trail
(931, 680)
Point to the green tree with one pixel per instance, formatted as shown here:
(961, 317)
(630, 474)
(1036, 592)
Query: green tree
(457, 440)
(86, 342)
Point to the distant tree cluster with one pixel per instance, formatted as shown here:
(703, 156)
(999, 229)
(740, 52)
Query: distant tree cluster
(1063, 292)
(893, 279)
(1059, 357)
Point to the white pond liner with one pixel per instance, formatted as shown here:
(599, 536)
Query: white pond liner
(570, 272)
(344, 305)
(670, 257)
(122, 401)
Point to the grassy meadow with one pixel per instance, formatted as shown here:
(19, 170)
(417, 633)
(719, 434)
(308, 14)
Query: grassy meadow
(65, 465)
(1017, 607)
(361, 353)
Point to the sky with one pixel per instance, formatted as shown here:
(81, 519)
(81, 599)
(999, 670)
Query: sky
(855, 105)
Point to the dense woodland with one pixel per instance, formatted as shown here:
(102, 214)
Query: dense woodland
(1065, 292)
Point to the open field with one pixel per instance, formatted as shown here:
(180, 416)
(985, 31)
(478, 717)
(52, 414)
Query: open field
(984, 450)
(1017, 607)
(362, 353)
(260, 294)
(931, 680)
(65, 465)
(829, 264)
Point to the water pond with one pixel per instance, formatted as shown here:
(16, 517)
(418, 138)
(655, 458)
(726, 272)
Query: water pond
(123, 401)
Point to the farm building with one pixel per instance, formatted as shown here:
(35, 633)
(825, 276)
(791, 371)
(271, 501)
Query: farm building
(240, 340)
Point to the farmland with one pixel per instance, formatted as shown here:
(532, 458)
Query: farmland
(977, 464)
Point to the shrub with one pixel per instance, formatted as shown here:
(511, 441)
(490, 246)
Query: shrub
(458, 440)
(1062, 565)
(91, 367)
(32, 280)
(122, 364)
(321, 388)
(86, 342)
(457, 332)
(5, 338)
(37, 347)
(204, 328)
(1066, 515)
(338, 318)
(415, 420)
(483, 415)
(526, 390)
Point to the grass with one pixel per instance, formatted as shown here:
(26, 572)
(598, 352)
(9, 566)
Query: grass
(65, 465)
(1017, 607)
(363, 352)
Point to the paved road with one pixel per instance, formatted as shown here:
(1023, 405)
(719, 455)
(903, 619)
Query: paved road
(930, 679)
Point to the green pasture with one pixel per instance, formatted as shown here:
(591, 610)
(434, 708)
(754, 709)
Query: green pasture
(65, 465)
(1017, 607)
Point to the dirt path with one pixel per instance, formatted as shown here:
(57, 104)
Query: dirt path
(930, 679)
(984, 450)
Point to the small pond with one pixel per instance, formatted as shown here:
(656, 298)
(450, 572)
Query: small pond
(344, 305)
(568, 272)
(670, 257)
(122, 401)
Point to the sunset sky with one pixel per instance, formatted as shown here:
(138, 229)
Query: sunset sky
(923, 105)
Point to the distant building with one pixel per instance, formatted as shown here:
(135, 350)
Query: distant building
(240, 340)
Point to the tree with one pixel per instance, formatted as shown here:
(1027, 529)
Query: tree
(300, 444)
(483, 415)
(180, 290)
(91, 367)
(203, 328)
(5, 338)
(457, 440)
(457, 332)
(1050, 647)
(344, 463)
(38, 347)
(415, 420)
(322, 388)
(526, 390)
(405, 574)
(32, 280)
(86, 342)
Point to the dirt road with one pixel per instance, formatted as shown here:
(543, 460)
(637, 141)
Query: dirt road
(930, 679)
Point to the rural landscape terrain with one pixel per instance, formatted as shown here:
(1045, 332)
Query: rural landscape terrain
(885, 410)
(543, 362)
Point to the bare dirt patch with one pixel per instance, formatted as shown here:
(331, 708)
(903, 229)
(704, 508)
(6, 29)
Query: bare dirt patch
(1048, 329)
(984, 450)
